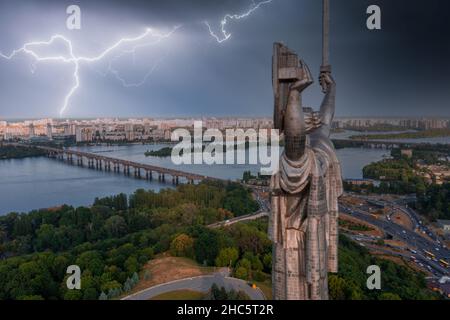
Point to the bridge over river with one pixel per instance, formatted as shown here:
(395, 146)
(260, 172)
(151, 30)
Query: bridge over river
(100, 162)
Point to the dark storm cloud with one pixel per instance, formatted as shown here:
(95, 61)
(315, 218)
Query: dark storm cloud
(401, 70)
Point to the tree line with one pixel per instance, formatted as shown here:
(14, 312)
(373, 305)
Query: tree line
(110, 240)
(13, 152)
(113, 239)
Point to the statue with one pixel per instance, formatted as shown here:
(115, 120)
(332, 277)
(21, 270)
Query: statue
(303, 224)
(305, 190)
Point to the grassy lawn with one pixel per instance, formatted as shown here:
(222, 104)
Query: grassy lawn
(180, 295)
(165, 268)
(266, 288)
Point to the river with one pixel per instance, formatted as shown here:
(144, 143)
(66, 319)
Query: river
(35, 183)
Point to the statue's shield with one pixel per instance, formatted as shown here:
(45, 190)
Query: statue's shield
(286, 69)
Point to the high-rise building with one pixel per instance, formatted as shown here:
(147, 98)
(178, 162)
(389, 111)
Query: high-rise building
(49, 131)
(31, 133)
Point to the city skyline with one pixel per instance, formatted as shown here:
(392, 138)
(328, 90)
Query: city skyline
(157, 129)
(392, 71)
(12, 119)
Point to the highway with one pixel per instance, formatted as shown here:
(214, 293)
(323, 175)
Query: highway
(416, 243)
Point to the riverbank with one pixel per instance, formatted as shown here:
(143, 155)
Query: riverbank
(13, 152)
(48, 182)
(435, 133)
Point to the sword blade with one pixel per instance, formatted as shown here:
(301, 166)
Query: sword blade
(326, 34)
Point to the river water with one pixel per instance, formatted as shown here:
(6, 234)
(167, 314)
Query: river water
(34, 183)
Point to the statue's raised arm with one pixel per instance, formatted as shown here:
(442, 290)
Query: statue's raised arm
(328, 104)
(294, 125)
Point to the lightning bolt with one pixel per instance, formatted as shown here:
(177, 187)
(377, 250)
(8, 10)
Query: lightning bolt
(127, 84)
(71, 58)
(223, 23)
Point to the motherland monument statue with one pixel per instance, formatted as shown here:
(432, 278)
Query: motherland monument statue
(303, 223)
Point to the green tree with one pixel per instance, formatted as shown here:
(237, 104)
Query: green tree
(111, 286)
(131, 264)
(182, 246)
(336, 287)
(73, 295)
(206, 246)
(245, 263)
(267, 261)
(92, 261)
(389, 296)
(241, 273)
(227, 257)
(116, 226)
(33, 297)
(90, 294)
(46, 237)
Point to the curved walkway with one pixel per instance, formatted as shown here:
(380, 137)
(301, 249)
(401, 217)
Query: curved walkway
(200, 284)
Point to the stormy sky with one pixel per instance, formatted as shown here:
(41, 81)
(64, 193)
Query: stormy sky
(401, 70)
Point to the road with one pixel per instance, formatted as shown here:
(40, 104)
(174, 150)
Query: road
(416, 243)
(200, 284)
(264, 209)
(248, 217)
